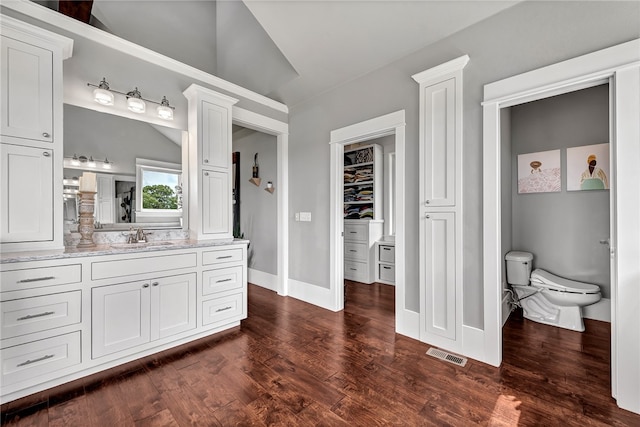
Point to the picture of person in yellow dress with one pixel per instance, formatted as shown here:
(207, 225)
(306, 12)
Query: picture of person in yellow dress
(593, 178)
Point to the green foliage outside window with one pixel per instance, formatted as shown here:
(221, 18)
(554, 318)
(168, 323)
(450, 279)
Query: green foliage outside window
(159, 197)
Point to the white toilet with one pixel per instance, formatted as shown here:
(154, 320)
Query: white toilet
(547, 298)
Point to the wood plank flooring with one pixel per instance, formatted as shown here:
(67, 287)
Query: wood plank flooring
(294, 364)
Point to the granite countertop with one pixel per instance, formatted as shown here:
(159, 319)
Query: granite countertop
(113, 249)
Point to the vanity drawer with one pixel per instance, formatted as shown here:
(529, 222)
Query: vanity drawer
(387, 273)
(28, 315)
(355, 270)
(222, 255)
(356, 232)
(14, 280)
(223, 310)
(43, 358)
(386, 253)
(356, 251)
(130, 267)
(222, 279)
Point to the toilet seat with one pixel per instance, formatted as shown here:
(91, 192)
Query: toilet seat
(552, 282)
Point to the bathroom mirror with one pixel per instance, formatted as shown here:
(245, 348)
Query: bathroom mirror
(133, 160)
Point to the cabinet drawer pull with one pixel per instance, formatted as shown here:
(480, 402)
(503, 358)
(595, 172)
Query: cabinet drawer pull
(353, 232)
(223, 309)
(46, 134)
(46, 154)
(224, 257)
(352, 250)
(387, 268)
(37, 279)
(386, 249)
(223, 280)
(40, 359)
(353, 269)
(146, 285)
(33, 316)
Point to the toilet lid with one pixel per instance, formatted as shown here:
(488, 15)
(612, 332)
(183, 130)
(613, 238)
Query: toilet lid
(561, 284)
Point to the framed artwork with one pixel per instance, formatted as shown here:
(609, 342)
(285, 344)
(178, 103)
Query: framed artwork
(588, 167)
(539, 172)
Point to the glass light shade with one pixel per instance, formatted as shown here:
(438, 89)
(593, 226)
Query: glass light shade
(136, 105)
(165, 112)
(103, 96)
(91, 163)
(106, 164)
(75, 161)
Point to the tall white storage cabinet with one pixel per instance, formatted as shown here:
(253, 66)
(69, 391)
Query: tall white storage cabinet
(440, 210)
(31, 136)
(209, 164)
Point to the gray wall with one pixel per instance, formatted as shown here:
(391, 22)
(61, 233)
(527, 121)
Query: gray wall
(258, 208)
(525, 37)
(119, 139)
(563, 229)
(505, 190)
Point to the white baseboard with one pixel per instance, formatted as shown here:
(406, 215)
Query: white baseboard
(262, 279)
(598, 311)
(473, 343)
(316, 295)
(408, 323)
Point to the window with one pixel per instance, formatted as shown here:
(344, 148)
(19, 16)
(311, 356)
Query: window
(158, 189)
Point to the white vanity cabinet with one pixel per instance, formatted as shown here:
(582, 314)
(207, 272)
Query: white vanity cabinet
(359, 242)
(209, 159)
(31, 135)
(127, 315)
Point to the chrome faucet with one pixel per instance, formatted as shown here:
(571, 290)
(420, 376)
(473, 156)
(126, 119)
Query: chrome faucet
(140, 236)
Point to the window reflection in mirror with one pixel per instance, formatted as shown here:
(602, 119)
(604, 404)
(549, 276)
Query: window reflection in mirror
(159, 189)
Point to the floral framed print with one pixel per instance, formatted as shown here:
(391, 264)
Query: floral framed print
(539, 172)
(588, 167)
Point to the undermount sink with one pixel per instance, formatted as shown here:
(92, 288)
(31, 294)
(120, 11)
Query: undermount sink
(138, 245)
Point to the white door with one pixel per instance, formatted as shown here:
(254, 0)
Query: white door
(119, 317)
(438, 315)
(216, 204)
(26, 83)
(173, 305)
(216, 140)
(105, 199)
(26, 194)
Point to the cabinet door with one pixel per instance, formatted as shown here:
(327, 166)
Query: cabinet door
(438, 270)
(105, 209)
(173, 305)
(120, 317)
(26, 194)
(216, 141)
(438, 150)
(216, 204)
(26, 88)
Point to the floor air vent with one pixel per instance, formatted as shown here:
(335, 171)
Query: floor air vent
(443, 355)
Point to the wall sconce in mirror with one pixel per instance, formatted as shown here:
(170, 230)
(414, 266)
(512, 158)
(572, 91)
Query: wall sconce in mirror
(90, 162)
(103, 95)
(269, 188)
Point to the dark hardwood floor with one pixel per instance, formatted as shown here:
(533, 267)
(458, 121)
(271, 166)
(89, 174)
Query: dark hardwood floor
(291, 363)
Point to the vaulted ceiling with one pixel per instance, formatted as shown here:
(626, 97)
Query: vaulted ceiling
(289, 50)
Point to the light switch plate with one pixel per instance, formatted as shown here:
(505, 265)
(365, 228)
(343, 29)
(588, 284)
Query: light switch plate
(305, 216)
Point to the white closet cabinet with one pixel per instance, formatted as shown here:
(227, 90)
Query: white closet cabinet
(440, 205)
(209, 159)
(27, 85)
(26, 194)
(105, 199)
(131, 314)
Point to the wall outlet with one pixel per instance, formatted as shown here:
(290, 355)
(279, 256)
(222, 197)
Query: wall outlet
(305, 216)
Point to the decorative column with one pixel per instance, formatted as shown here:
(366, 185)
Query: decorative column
(87, 204)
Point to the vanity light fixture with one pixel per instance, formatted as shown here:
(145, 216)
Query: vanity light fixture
(135, 102)
(91, 163)
(103, 95)
(87, 162)
(106, 164)
(165, 111)
(75, 161)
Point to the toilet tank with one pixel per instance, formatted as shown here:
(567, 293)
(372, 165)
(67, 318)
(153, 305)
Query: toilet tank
(519, 267)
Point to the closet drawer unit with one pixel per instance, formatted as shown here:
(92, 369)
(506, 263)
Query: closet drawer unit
(220, 256)
(222, 279)
(43, 358)
(387, 273)
(356, 232)
(355, 270)
(28, 315)
(386, 253)
(356, 251)
(133, 266)
(223, 310)
(14, 280)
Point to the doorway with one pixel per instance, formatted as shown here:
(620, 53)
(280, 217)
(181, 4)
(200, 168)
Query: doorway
(618, 66)
(392, 124)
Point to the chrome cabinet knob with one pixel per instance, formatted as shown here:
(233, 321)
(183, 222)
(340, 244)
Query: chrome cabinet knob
(155, 284)
(206, 174)
(45, 134)
(46, 154)
(146, 285)
(206, 160)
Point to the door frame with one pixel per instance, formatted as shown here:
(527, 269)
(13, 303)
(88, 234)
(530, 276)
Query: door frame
(620, 67)
(280, 130)
(388, 124)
